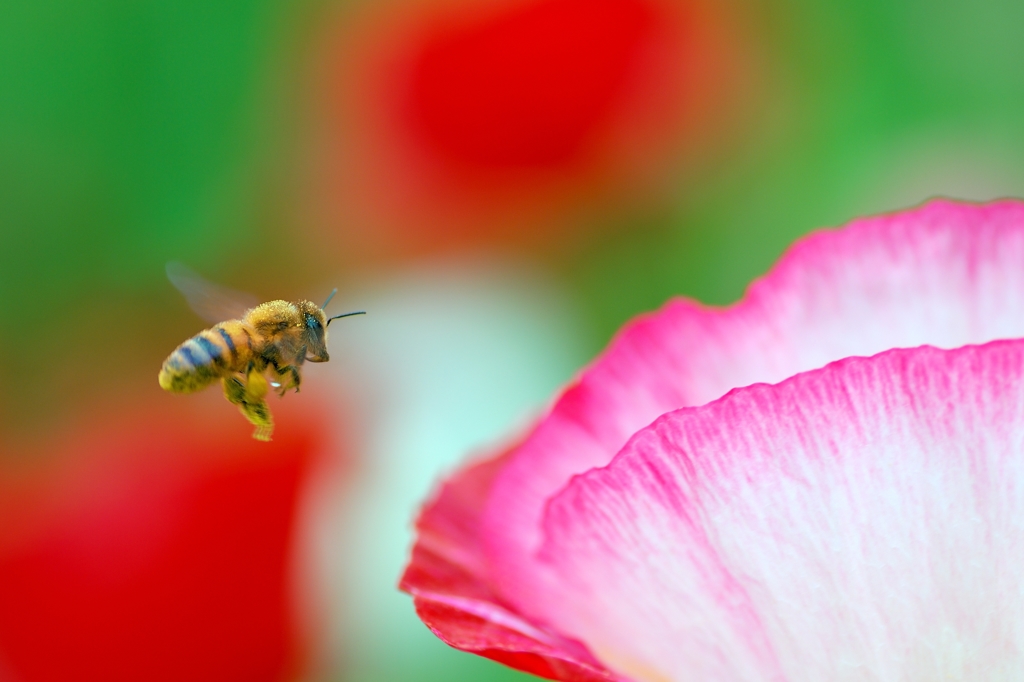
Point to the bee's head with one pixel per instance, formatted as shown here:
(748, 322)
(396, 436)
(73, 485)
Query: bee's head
(315, 332)
(316, 328)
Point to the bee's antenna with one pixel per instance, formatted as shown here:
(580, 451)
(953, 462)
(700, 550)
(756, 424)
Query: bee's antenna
(333, 292)
(358, 312)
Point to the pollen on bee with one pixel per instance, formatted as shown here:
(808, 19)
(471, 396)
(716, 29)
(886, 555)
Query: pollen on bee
(257, 385)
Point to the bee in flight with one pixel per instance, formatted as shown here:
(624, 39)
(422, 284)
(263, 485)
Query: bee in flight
(276, 337)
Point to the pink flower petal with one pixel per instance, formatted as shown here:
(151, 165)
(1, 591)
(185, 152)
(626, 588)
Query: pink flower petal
(864, 521)
(945, 274)
(446, 577)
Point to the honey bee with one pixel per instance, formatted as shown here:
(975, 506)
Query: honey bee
(275, 337)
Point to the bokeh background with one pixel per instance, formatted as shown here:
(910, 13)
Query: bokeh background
(500, 183)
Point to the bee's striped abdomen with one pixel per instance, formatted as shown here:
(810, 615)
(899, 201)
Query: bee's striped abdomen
(206, 357)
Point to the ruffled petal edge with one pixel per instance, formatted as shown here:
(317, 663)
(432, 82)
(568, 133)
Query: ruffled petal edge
(447, 579)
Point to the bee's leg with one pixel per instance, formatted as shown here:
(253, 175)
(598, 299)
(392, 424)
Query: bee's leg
(234, 390)
(248, 395)
(293, 378)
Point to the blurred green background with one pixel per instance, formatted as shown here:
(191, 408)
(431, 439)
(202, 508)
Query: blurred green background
(136, 133)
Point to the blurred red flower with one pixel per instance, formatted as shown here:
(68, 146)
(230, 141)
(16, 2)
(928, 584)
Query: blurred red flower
(527, 87)
(156, 546)
(446, 122)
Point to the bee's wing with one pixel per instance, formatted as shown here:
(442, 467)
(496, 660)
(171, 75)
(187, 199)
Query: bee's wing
(210, 301)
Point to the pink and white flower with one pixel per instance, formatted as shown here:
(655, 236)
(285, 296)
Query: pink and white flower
(822, 482)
